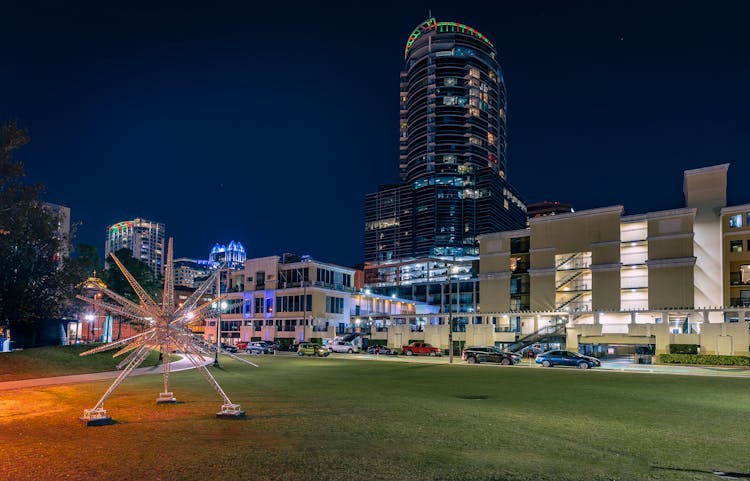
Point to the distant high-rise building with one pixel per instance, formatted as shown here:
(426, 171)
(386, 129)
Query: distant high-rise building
(62, 214)
(452, 152)
(144, 238)
(233, 254)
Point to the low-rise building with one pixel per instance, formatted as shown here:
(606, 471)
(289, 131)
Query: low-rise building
(190, 272)
(599, 279)
(290, 299)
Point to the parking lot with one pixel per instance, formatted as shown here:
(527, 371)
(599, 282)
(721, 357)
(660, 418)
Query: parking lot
(621, 364)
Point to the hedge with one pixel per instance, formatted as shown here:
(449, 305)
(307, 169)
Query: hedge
(705, 359)
(683, 348)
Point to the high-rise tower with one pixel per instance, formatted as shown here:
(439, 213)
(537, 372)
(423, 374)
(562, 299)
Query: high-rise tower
(144, 238)
(452, 152)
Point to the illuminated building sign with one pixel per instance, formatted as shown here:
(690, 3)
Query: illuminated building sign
(432, 24)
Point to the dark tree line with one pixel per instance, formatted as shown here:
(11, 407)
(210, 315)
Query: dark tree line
(36, 284)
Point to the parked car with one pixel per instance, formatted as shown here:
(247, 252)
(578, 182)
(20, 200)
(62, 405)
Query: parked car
(258, 347)
(312, 349)
(421, 348)
(228, 348)
(477, 354)
(270, 345)
(567, 358)
(379, 350)
(342, 346)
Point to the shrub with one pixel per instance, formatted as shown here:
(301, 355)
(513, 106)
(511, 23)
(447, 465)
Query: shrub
(706, 359)
(683, 348)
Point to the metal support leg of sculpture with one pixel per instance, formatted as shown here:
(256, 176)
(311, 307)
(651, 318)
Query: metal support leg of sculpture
(167, 396)
(229, 410)
(97, 416)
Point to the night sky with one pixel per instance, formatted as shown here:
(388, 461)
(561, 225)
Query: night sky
(268, 125)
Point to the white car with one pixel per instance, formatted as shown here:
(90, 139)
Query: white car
(342, 346)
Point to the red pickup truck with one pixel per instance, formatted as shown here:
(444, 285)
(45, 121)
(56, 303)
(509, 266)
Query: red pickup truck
(421, 348)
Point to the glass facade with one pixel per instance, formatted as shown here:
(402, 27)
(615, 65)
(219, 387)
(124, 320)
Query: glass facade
(452, 151)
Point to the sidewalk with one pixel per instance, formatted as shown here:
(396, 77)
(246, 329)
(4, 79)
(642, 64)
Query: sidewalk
(180, 365)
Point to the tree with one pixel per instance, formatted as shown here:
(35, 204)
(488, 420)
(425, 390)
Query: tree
(34, 283)
(116, 281)
(88, 259)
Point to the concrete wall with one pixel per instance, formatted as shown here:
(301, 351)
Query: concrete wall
(731, 339)
(706, 190)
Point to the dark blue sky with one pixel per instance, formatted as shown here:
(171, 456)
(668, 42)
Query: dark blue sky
(269, 124)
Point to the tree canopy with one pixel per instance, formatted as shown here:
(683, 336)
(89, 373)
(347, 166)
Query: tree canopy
(116, 281)
(35, 283)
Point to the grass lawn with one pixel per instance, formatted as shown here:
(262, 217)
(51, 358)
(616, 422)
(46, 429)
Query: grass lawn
(59, 361)
(334, 419)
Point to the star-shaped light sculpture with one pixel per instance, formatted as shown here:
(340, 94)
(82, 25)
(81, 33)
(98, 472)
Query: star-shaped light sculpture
(166, 329)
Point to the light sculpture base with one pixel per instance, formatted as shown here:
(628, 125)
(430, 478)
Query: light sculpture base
(165, 398)
(95, 417)
(231, 411)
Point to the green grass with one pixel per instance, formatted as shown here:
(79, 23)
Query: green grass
(59, 361)
(333, 419)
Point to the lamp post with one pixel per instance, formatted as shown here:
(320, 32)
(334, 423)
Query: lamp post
(450, 313)
(220, 306)
(90, 318)
(304, 299)
(450, 320)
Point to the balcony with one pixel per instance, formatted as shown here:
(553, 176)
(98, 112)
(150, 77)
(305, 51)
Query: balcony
(735, 279)
(739, 302)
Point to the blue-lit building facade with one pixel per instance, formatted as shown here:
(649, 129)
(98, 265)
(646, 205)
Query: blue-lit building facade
(422, 232)
(233, 254)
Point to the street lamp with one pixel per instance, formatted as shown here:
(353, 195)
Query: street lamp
(451, 271)
(221, 306)
(90, 318)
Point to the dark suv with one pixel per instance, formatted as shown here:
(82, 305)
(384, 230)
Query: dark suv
(475, 355)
